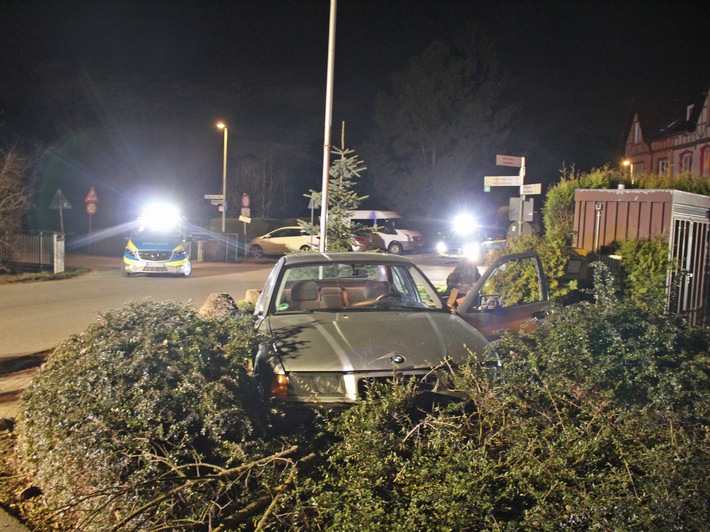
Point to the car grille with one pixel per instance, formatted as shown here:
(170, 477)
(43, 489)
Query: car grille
(425, 382)
(155, 256)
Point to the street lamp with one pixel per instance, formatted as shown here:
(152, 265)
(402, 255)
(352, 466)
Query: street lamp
(223, 126)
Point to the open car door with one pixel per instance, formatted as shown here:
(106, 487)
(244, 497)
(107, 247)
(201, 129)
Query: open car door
(511, 293)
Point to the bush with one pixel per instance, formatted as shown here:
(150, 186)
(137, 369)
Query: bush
(122, 422)
(601, 421)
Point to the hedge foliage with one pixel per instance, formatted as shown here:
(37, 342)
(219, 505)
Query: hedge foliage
(601, 422)
(128, 410)
(600, 418)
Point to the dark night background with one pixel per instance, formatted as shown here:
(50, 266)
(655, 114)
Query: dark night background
(124, 95)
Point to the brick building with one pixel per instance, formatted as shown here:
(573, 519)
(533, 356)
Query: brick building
(667, 141)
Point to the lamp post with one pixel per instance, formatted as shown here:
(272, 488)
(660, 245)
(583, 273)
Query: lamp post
(223, 126)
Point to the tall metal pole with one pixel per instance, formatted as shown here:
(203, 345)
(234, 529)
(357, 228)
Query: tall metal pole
(328, 124)
(223, 126)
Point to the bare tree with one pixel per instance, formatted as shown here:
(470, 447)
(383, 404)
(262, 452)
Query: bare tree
(268, 186)
(13, 198)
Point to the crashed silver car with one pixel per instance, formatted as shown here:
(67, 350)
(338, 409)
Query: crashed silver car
(334, 322)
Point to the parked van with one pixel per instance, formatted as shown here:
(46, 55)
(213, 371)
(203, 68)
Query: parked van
(393, 234)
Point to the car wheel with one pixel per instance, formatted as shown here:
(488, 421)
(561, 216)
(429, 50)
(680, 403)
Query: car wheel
(305, 248)
(255, 251)
(395, 248)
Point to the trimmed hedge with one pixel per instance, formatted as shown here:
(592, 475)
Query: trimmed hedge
(121, 414)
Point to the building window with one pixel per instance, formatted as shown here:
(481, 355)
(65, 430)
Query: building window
(662, 166)
(705, 161)
(686, 161)
(637, 133)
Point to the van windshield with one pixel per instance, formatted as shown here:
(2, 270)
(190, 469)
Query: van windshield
(174, 231)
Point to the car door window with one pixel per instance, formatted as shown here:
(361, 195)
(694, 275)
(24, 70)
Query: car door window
(513, 283)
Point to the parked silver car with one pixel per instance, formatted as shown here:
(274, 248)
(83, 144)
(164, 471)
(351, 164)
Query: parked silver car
(334, 322)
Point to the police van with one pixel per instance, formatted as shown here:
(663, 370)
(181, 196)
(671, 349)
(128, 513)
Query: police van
(158, 245)
(393, 233)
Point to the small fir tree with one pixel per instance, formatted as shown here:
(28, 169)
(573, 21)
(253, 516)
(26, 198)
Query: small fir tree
(342, 200)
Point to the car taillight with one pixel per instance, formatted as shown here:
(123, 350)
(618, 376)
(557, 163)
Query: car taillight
(279, 386)
(359, 240)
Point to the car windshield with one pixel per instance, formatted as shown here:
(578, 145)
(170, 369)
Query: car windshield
(148, 231)
(354, 286)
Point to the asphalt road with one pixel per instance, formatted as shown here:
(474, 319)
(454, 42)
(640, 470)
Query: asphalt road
(37, 316)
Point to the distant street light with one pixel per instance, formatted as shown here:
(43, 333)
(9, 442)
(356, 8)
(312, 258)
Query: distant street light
(222, 125)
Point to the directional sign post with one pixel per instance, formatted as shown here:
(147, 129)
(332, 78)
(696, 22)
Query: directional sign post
(513, 181)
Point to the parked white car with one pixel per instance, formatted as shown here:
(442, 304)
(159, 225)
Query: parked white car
(283, 240)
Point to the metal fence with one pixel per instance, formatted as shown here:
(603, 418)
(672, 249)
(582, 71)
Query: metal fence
(43, 251)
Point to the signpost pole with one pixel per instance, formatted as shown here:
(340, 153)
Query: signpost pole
(522, 196)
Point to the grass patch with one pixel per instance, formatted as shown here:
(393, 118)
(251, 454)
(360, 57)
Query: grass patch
(33, 277)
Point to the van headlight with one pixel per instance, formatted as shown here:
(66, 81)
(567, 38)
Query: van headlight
(441, 247)
(180, 254)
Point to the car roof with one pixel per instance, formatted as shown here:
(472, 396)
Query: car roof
(307, 258)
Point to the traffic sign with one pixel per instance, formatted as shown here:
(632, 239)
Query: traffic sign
(214, 197)
(59, 201)
(91, 208)
(502, 181)
(509, 160)
(91, 197)
(246, 202)
(531, 189)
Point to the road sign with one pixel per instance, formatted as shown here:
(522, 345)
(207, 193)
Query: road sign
(59, 201)
(91, 197)
(509, 160)
(214, 197)
(217, 201)
(246, 212)
(245, 219)
(531, 189)
(502, 181)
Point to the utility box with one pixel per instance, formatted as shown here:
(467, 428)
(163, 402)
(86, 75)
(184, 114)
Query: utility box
(602, 217)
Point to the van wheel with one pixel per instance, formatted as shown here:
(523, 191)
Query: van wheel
(395, 248)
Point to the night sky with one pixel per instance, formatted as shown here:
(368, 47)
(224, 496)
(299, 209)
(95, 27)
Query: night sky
(124, 95)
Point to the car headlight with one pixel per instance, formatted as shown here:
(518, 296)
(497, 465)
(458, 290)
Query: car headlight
(441, 247)
(315, 383)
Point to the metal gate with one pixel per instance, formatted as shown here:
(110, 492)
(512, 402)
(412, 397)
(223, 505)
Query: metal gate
(40, 251)
(689, 276)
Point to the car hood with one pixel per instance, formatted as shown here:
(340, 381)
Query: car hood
(372, 340)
